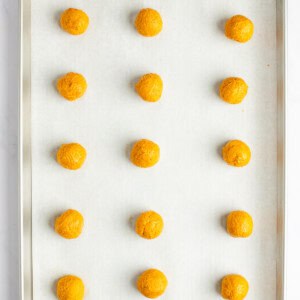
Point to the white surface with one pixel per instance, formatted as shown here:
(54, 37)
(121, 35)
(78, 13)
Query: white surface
(9, 246)
(293, 258)
(191, 187)
(8, 206)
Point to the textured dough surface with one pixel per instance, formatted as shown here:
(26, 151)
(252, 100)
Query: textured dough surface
(145, 153)
(234, 287)
(152, 283)
(149, 225)
(74, 21)
(70, 287)
(148, 22)
(71, 156)
(150, 87)
(236, 153)
(69, 224)
(71, 86)
(239, 224)
(233, 90)
(239, 28)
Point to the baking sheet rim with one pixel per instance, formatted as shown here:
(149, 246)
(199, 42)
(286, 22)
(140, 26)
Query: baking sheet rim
(25, 196)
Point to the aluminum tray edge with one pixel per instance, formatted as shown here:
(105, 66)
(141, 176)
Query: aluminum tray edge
(25, 152)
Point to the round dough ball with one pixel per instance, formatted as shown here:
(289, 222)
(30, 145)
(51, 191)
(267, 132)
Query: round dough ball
(145, 153)
(233, 90)
(150, 87)
(236, 153)
(69, 224)
(74, 21)
(71, 156)
(152, 283)
(234, 287)
(239, 28)
(70, 287)
(71, 86)
(149, 225)
(148, 22)
(239, 224)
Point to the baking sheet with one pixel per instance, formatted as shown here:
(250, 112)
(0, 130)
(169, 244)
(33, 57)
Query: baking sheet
(191, 187)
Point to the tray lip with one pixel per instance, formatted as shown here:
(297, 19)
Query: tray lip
(26, 272)
(282, 43)
(25, 163)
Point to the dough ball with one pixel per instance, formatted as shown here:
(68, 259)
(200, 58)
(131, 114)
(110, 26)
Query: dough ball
(74, 21)
(239, 28)
(236, 153)
(71, 156)
(71, 86)
(70, 287)
(69, 224)
(239, 224)
(152, 283)
(145, 153)
(233, 90)
(150, 87)
(148, 22)
(234, 287)
(149, 225)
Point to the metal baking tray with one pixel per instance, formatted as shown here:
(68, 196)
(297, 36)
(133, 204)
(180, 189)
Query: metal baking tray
(191, 187)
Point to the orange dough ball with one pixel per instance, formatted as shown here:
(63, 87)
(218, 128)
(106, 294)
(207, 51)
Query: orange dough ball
(150, 87)
(70, 287)
(71, 156)
(239, 224)
(148, 22)
(145, 153)
(71, 86)
(233, 90)
(74, 21)
(236, 153)
(234, 287)
(152, 283)
(149, 225)
(239, 28)
(69, 224)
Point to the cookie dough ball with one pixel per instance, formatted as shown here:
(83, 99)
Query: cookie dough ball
(239, 28)
(148, 22)
(234, 287)
(233, 90)
(70, 287)
(149, 225)
(71, 156)
(152, 283)
(236, 153)
(74, 21)
(71, 86)
(150, 87)
(145, 153)
(69, 224)
(239, 224)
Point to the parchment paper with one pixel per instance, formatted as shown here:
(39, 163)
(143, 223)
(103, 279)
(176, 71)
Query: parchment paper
(191, 187)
